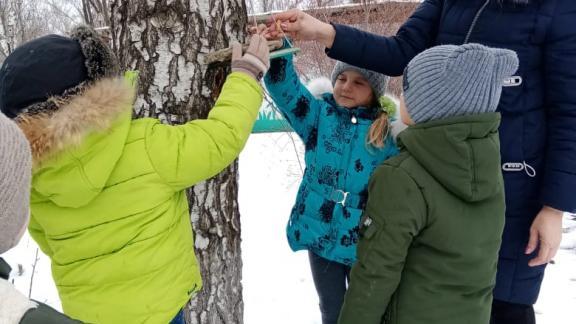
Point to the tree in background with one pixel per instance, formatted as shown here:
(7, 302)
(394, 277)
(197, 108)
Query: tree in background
(166, 42)
(23, 20)
(96, 12)
(19, 21)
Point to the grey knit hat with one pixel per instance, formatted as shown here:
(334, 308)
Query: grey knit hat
(449, 80)
(378, 81)
(15, 173)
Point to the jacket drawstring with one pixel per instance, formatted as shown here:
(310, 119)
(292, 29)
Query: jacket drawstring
(475, 20)
(519, 166)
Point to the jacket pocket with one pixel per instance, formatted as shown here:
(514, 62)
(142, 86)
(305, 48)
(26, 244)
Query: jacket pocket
(367, 231)
(367, 227)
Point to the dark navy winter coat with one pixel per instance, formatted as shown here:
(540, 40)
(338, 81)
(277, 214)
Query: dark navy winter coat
(538, 130)
(333, 190)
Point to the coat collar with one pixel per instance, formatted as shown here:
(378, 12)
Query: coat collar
(361, 112)
(93, 110)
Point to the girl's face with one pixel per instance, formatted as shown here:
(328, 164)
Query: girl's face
(352, 90)
(404, 116)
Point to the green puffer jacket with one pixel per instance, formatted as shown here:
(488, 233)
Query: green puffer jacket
(108, 198)
(432, 228)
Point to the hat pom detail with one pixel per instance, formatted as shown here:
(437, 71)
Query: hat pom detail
(100, 61)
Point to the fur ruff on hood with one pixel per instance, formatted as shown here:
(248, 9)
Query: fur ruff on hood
(95, 109)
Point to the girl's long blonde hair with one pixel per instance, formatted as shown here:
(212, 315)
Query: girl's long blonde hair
(378, 131)
(380, 128)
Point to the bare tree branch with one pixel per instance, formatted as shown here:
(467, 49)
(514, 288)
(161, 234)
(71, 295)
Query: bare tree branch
(33, 273)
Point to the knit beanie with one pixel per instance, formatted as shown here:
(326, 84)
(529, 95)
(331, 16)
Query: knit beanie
(449, 80)
(40, 75)
(15, 173)
(377, 81)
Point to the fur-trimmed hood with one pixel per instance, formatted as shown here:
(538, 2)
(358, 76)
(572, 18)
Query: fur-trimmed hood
(94, 110)
(80, 143)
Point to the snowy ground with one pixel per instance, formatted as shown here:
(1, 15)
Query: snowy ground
(278, 287)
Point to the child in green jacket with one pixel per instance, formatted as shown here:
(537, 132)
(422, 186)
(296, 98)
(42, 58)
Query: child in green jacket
(432, 227)
(108, 199)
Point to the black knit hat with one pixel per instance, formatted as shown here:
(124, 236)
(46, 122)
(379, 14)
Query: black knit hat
(42, 74)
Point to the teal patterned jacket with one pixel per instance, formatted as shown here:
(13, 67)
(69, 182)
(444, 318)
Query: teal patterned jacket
(339, 162)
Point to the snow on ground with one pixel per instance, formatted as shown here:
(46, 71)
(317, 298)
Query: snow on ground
(278, 287)
(558, 294)
(22, 260)
(277, 283)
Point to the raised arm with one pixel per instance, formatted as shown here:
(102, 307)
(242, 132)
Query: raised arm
(186, 154)
(387, 55)
(300, 108)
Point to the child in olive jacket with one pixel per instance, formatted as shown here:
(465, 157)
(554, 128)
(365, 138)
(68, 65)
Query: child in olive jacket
(432, 227)
(108, 199)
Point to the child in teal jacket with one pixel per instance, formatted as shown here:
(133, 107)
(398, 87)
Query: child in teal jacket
(346, 135)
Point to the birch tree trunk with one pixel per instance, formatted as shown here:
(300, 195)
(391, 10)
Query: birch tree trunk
(166, 42)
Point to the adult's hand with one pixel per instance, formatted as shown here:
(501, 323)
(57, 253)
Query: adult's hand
(545, 234)
(300, 26)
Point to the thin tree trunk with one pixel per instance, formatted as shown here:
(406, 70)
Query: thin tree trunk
(87, 12)
(166, 41)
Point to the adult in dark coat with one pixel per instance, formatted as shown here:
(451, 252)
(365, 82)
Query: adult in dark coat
(538, 107)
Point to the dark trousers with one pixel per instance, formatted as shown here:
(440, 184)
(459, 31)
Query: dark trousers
(331, 281)
(508, 313)
(179, 319)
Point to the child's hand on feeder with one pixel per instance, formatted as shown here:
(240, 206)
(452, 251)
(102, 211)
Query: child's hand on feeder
(270, 28)
(255, 61)
(261, 29)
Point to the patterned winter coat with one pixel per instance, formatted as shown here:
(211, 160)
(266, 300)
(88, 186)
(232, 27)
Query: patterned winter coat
(538, 107)
(339, 163)
(109, 202)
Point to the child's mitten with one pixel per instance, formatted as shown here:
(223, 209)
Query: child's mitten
(255, 61)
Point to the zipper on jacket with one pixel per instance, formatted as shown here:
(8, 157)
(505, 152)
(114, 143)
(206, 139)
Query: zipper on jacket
(475, 20)
(354, 124)
(390, 316)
